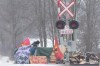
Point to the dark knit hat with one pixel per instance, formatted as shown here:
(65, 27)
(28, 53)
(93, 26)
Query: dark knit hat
(36, 43)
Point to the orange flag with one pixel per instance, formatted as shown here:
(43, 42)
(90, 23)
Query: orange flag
(58, 53)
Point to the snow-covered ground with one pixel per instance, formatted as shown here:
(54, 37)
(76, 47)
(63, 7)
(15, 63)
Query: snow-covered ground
(5, 60)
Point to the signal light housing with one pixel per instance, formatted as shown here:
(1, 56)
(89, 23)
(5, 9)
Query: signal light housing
(60, 24)
(73, 24)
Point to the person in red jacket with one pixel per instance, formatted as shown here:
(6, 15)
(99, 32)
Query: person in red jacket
(58, 54)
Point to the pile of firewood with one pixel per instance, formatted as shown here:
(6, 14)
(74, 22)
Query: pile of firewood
(76, 59)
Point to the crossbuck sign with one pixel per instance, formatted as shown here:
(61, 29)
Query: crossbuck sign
(66, 8)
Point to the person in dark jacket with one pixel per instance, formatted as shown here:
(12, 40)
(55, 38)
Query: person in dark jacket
(34, 47)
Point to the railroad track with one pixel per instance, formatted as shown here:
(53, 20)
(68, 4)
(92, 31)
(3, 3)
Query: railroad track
(84, 65)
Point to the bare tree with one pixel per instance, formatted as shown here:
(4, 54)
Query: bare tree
(88, 25)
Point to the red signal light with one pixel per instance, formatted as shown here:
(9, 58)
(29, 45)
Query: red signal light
(73, 24)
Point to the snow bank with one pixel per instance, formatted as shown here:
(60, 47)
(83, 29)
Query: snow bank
(5, 60)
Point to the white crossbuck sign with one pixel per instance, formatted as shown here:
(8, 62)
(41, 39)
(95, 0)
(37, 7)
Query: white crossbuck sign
(66, 8)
